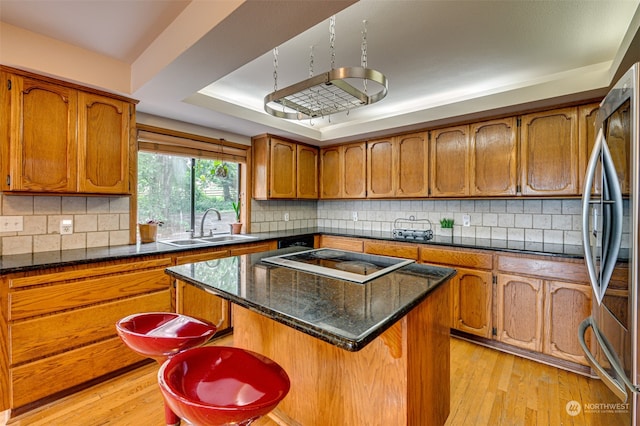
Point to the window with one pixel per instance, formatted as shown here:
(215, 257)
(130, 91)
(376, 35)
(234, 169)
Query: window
(179, 179)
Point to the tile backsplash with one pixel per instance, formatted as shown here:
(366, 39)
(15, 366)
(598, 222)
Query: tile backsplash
(97, 222)
(104, 221)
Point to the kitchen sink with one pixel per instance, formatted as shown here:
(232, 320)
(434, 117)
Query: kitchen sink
(206, 241)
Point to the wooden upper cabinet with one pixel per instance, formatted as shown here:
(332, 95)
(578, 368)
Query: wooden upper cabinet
(549, 153)
(449, 157)
(586, 138)
(398, 167)
(279, 164)
(307, 172)
(618, 140)
(412, 165)
(103, 144)
(493, 158)
(63, 140)
(42, 140)
(343, 171)
(381, 172)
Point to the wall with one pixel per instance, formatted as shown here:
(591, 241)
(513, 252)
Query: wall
(97, 222)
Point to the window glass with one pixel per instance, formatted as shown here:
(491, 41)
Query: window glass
(178, 190)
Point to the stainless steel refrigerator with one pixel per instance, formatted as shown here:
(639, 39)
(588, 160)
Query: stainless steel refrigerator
(610, 238)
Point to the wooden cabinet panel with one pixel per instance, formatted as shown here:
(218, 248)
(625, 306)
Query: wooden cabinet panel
(391, 248)
(47, 335)
(560, 269)
(471, 301)
(49, 375)
(355, 171)
(283, 169)
(342, 243)
(587, 115)
(618, 139)
(549, 153)
(307, 172)
(520, 311)
(44, 300)
(381, 175)
(103, 144)
(398, 167)
(252, 248)
(197, 303)
(331, 172)
(42, 147)
(343, 171)
(413, 169)
(64, 140)
(449, 157)
(493, 158)
(463, 258)
(566, 305)
(282, 179)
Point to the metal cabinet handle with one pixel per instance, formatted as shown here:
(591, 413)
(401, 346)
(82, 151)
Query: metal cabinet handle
(586, 201)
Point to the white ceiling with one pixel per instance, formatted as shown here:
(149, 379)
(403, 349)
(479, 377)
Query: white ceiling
(443, 59)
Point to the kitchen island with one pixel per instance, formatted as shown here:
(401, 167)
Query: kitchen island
(373, 354)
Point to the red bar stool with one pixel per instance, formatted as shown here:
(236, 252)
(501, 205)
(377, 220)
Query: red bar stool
(162, 335)
(221, 385)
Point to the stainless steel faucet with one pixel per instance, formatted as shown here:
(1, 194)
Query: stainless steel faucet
(204, 217)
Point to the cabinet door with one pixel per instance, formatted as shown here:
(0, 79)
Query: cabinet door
(618, 139)
(566, 305)
(103, 144)
(549, 153)
(354, 171)
(471, 292)
(330, 172)
(307, 171)
(493, 158)
(197, 303)
(381, 171)
(586, 139)
(412, 165)
(449, 154)
(42, 148)
(282, 177)
(520, 311)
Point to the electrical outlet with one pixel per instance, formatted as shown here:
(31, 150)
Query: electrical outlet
(11, 223)
(66, 227)
(466, 220)
(286, 217)
(354, 215)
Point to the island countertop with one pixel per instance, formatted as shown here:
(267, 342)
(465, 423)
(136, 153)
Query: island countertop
(346, 314)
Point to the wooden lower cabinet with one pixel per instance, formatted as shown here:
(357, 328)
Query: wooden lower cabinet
(520, 311)
(471, 297)
(61, 324)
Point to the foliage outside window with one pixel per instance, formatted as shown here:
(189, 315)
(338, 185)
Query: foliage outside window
(170, 187)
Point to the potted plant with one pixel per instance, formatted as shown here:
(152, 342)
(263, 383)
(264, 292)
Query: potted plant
(149, 230)
(446, 225)
(236, 227)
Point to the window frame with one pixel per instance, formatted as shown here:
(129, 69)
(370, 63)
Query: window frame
(171, 142)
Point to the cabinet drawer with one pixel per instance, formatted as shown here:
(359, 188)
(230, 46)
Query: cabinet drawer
(545, 268)
(47, 376)
(342, 243)
(460, 258)
(389, 248)
(52, 278)
(202, 257)
(253, 248)
(44, 300)
(44, 336)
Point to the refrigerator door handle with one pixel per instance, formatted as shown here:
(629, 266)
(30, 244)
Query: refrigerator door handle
(586, 202)
(613, 223)
(616, 387)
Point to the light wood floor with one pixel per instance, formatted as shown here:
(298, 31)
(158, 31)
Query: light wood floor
(487, 388)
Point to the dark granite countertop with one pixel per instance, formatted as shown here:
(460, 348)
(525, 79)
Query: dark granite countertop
(346, 314)
(42, 260)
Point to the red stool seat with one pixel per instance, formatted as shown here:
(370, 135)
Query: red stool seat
(219, 385)
(160, 335)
